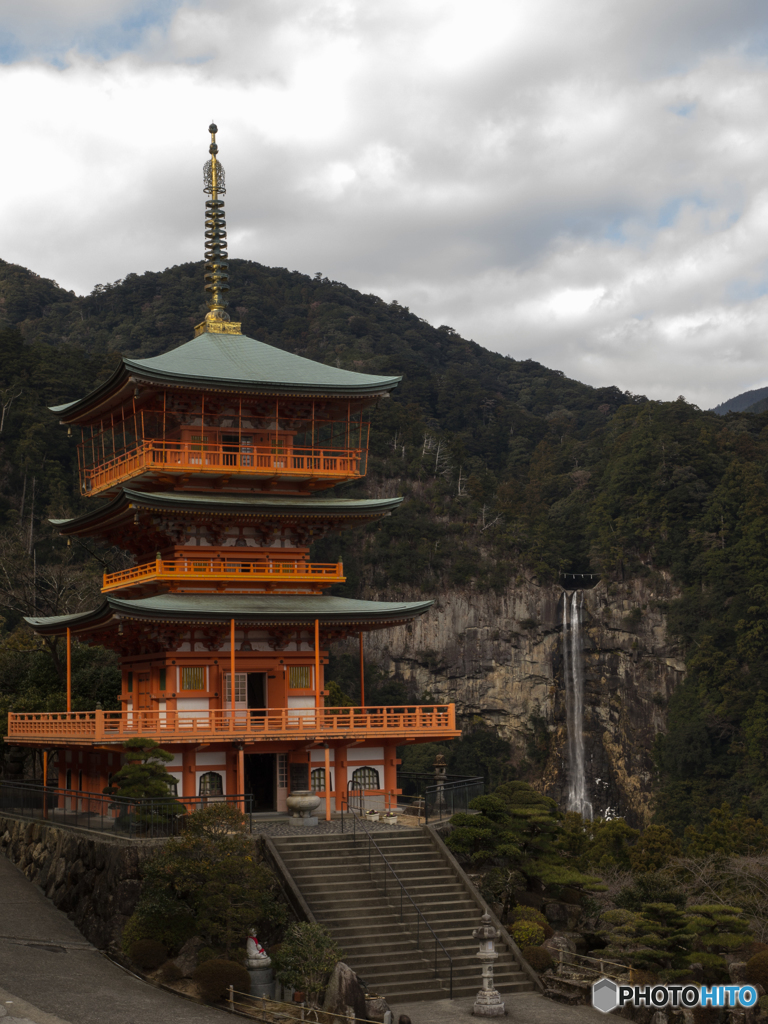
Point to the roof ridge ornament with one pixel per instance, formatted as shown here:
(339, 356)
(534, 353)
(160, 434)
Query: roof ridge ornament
(216, 259)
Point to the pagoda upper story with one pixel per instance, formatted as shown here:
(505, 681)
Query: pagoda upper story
(225, 412)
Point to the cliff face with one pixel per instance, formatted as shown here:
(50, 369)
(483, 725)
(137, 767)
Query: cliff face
(500, 657)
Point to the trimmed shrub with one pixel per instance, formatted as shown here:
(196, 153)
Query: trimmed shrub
(529, 914)
(173, 932)
(206, 953)
(538, 957)
(169, 973)
(526, 933)
(705, 1015)
(757, 969)
(149, 954)
(214, 977)
(535, 917)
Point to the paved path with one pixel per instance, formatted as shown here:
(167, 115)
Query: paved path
(523, 1008)
(45, 961)
(49, 974)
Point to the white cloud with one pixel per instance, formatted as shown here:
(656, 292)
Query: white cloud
(582, 184)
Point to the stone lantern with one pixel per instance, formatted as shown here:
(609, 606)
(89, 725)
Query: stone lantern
(441, 768)
(488, 1002)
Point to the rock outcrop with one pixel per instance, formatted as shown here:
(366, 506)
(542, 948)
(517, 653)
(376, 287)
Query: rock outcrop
(500, 658)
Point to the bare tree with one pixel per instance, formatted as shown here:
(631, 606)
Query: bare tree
(7, 397)
(62, 587)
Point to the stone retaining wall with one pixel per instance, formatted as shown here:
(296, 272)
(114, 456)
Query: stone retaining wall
(96, 881)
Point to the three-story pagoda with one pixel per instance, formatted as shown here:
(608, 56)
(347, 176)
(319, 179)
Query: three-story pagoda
(212, 457)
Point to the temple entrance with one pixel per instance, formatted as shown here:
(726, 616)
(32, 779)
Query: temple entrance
(261, 780)
(257, 690)
(250, 691)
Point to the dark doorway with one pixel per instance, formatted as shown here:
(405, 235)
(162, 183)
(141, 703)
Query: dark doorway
(260, 778)
(257, 690)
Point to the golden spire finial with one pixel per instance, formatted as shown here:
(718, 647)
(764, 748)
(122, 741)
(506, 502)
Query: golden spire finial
(216, 259)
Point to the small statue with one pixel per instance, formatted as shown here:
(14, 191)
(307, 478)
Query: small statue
(254, 949)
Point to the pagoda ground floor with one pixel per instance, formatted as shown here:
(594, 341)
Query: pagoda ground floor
(265, 772)
(264, 754)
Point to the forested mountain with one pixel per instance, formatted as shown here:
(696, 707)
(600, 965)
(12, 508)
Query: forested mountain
(509, 470)
(747, 401)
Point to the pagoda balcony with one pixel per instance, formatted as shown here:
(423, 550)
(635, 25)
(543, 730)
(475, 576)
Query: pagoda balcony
(212, 466)
(84, 728)
(182, 573)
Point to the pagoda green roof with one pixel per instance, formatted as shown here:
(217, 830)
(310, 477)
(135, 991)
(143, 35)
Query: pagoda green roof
(235, 363)
(252, 505)
(257, 610)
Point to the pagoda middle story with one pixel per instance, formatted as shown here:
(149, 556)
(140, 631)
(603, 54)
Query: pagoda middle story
(211, 458)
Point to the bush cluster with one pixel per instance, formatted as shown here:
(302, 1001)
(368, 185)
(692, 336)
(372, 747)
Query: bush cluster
(527, 933)
(214, 977)
(538, 957)
(149, 954)
(757, 969)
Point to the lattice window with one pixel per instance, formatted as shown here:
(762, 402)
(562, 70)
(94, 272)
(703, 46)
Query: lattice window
(211, 784)
(365, 778)
(241, 687)
(193, 678)
(300, 677)
(282, 771)
(318, 780)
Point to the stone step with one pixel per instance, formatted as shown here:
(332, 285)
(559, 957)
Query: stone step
(392, 899)
(331, 888)
(333, 875)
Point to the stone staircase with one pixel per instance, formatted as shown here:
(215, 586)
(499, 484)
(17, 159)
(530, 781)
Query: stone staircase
(331, 872)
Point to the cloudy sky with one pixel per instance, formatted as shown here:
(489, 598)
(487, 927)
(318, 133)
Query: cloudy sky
(583, 183)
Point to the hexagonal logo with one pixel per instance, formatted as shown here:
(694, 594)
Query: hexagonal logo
(605, 995)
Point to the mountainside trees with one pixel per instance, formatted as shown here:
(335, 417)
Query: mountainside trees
(508, 469)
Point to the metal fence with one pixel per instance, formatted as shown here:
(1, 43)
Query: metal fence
(151, 818)
(434, 800)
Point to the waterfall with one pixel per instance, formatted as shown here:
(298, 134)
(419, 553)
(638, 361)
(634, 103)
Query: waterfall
(573, 676)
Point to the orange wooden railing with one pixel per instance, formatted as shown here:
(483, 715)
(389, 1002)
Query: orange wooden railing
(438, 721)
(189, 570)
(180, 456)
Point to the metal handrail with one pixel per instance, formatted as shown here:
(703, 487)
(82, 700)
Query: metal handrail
(131, 817)
(585, 967)
(403, 894)
(429, 788)
(247, 1006)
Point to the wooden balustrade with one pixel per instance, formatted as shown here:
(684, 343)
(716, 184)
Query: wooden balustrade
(193, 570)
(386, 723)
(180, 457)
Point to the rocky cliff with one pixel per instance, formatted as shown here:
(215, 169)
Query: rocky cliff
(500, 658)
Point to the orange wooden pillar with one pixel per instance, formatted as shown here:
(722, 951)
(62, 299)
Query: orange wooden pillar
(231, 662)
(318, 698)
(69, 670)
(241, 777)
(340, 777)
(189, 773)
(390, 775)
(327, 784)
(362, 672)
(45, 783)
